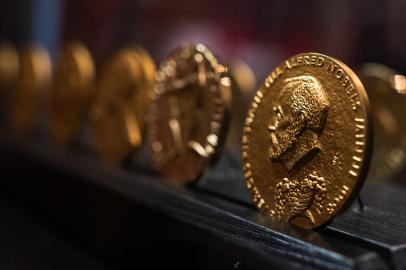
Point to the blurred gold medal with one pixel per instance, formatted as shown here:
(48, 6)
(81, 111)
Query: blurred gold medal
(31, 87)
(124, 94)
(73, 88)
(9, 66)
(387, 93)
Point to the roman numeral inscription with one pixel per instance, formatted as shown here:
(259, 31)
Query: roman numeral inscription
(356, 161)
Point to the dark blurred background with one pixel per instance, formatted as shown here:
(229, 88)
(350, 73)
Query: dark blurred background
(260, 33)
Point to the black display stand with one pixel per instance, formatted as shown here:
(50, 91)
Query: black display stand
(131, 217)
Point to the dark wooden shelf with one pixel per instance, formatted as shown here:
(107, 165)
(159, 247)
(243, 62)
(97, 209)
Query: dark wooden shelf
(72, 187)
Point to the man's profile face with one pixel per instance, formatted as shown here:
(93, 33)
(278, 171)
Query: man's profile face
(299, 115)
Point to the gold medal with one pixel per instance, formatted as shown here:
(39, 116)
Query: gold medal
(124, 94)
(189, 112)
(72, 90)
(31, 87)
(9, 66)
(244, 87)
(306, 140)
(387, 93)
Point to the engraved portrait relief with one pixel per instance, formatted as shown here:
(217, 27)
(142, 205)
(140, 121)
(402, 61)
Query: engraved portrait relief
(300, 116)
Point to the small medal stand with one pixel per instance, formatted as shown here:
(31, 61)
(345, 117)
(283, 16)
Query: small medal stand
(131, 217)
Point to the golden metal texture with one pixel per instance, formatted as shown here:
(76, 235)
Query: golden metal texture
(387, 94)
(306, 140)
(124, 95)
(189, 112)
(73, 89)
(33, 82)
